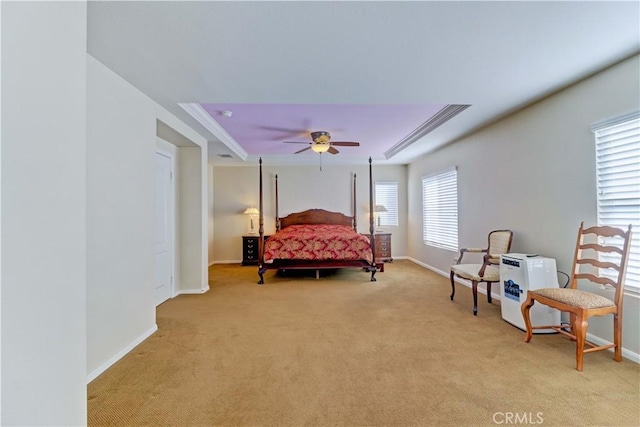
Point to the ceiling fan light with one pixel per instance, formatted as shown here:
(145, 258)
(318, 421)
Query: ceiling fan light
(320, 148)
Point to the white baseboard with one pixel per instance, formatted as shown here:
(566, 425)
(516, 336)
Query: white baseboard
(626, 353)
(192, 291)
(494, 295)
(428, 267)
(93, 375)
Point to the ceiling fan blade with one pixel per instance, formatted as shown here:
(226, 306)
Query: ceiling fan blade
(300, 132)
(332, 150)
(304, 149)
(296, 142)
(278, 129)
(345, 144)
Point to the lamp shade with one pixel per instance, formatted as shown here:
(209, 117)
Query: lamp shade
(320, 147)
(377, 209)
(251, 211)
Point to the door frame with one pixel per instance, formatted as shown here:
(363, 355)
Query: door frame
(172, 226)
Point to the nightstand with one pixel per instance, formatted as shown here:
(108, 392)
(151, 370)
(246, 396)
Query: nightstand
(383, 247)
(250, 249)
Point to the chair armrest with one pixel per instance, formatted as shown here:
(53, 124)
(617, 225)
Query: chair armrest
(487, 260)
(463, 250)
(492, 259)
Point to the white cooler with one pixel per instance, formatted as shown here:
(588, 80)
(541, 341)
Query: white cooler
(520, 273)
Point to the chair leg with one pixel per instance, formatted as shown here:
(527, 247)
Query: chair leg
(453, 286)
(474, 285)
(526, 306)
(489, 292)
(572, 321)
(617, 337)
(581, 336)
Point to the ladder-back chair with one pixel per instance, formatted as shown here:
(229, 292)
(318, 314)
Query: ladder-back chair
(603, 252)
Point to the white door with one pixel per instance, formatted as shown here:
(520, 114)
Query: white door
(164, 227)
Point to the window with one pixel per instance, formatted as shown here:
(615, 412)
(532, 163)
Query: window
(440, 209)
(618, 176)
(387, 196)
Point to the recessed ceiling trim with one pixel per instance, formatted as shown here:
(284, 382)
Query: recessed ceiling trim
(202, 116)
(432, 123)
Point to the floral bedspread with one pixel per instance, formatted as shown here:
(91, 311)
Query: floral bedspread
(317, 242)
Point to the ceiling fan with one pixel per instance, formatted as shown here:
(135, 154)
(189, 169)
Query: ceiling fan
(321, 143)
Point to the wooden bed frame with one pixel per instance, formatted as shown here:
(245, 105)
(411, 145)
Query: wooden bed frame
(316, 216)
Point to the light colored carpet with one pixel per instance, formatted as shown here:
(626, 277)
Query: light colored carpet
(343, 351)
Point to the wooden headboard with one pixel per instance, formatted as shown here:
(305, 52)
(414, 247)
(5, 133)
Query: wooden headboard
(316, 216)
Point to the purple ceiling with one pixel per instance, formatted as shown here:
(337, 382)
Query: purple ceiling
(261, 128)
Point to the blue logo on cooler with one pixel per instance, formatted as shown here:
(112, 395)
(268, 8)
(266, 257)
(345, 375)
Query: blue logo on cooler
(512, 290)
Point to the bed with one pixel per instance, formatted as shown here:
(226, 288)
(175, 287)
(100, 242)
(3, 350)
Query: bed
(316, 239)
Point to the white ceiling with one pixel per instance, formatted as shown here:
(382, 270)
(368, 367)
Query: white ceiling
(495, 56)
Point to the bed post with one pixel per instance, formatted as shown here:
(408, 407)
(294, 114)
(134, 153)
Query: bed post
(277, 213)
(261, 269)
(355, 206)
(371, 227)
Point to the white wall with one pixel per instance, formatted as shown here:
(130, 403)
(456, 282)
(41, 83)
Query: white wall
(121, 134)
(300, 188)
(43, 214)
(1, 216)
(534, 173)
(120, 215)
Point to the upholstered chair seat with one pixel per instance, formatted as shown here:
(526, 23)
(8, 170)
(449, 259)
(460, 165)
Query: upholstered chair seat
(471, 272)
(575, 297)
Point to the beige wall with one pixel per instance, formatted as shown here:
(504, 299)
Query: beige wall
(210, 220)
(300, 188)
(190, 231)
(534, 173)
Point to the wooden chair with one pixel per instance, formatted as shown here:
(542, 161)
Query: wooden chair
(607, 253)
(487, 272)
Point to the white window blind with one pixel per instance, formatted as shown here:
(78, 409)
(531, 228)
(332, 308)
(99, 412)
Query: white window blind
(618, 176)
(387, 196)
(440, 209)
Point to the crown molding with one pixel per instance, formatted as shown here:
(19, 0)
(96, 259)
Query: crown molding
(204, 118)
(442, 116)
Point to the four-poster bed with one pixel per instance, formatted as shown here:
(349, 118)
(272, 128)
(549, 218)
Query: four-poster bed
(317, 239)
